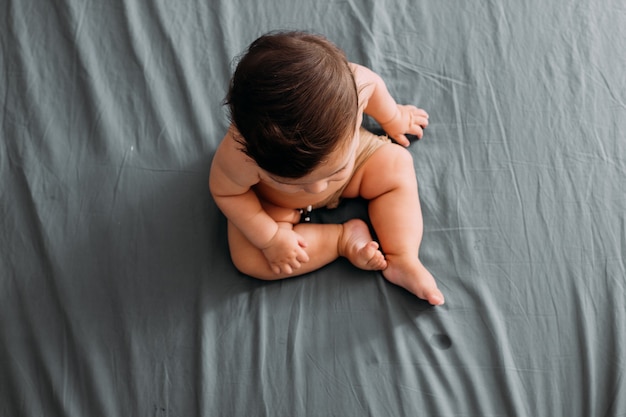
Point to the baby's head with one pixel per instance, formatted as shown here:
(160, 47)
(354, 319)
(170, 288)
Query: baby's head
(294, 101)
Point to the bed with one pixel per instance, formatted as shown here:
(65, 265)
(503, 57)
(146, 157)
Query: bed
(117, 293)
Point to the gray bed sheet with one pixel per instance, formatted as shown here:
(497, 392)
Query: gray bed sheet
(117, 294)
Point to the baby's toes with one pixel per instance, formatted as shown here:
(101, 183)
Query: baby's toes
(378, 263)
(369, 251)
(376, 260)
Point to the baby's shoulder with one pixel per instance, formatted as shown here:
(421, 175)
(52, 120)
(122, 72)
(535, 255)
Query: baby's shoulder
(365, 80)
(233, 163)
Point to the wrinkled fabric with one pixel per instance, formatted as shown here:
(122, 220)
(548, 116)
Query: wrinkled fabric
(117, 293)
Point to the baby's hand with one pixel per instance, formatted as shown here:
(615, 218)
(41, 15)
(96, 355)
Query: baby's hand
(408, 119)
(285, 252)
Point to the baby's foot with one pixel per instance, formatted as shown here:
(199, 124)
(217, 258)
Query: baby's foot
(356, 244)
(409, 273)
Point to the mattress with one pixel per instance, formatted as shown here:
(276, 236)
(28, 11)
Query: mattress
(117, 293)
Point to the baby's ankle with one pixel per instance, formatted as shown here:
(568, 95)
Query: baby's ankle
(341, 241)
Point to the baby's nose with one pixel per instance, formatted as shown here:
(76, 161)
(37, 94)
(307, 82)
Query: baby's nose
(317, 187)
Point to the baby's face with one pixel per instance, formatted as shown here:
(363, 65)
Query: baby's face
(338, 167)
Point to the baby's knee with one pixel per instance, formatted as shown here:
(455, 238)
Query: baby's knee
(246, 258)
(251, 266)
(402, 158)
(240, 262)
(396, 163)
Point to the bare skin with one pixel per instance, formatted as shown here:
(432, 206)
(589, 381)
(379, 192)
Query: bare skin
(356, 244)
(352, 241)
(265, 238)
(396, 216)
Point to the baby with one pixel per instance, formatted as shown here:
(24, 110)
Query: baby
(296, 141)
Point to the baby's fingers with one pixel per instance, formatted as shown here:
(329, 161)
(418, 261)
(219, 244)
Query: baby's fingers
(301, 254)
(294, 266)
(421, 112)
(402, 140)
(417, 128)
(419, 121)
(417, 131)
(288, 266)
(282, 269)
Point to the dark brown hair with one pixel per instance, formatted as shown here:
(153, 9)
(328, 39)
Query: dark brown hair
(293, 100)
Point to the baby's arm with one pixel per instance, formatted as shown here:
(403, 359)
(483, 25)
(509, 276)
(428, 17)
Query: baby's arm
(230, 181)
(397, 120)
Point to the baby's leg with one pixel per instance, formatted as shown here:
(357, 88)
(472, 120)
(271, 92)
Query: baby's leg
(325, 243)
(388, 181)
